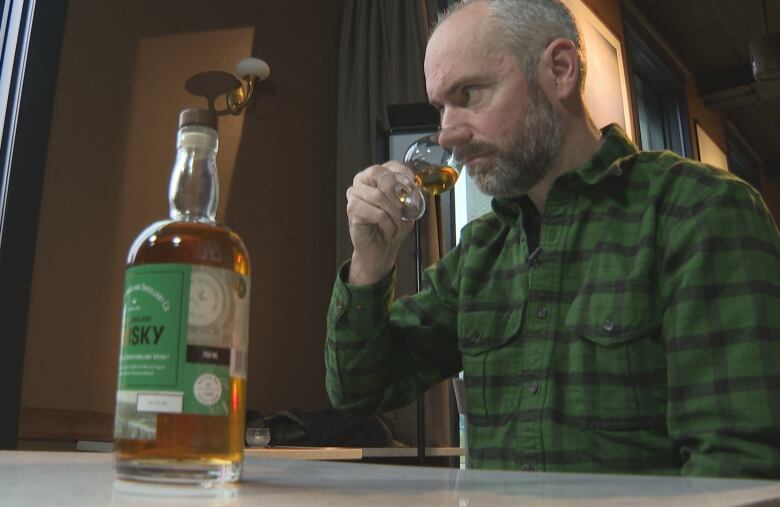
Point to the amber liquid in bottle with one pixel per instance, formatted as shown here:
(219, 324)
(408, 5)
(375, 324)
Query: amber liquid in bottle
(187, 447)
(208, 439)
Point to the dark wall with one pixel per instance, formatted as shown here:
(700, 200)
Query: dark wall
(109, 157)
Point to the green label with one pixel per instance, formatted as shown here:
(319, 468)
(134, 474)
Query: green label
(155, 313)
(184, 337)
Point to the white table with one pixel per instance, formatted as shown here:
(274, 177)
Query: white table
(351, 453)
(85, 479)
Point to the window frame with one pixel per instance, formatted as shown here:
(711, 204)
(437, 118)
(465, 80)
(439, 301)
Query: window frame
(32, 35)
(668, 83)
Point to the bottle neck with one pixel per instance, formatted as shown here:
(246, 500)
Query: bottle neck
(193, 192)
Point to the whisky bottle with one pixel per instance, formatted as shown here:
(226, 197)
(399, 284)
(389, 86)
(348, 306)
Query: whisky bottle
(183, 353)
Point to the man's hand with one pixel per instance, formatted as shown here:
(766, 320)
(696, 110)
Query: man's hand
(375, 225)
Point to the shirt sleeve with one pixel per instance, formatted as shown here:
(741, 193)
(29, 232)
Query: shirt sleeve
(720, 285)
(381, 354)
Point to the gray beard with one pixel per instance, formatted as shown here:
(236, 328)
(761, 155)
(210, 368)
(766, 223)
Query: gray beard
(519, 167)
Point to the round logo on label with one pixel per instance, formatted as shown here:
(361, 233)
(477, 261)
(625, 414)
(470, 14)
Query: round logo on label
(207, 299)
(208, 389)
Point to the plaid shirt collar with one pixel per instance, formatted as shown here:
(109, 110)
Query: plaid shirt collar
(608, 159)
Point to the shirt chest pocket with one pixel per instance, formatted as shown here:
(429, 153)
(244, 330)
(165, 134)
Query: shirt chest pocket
(487, 339)
(615, 361)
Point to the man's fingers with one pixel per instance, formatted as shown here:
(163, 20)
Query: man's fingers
(380, 189)
(369, 175)
(373, 198)
(398, 167)
(365, 212)
(374, 175)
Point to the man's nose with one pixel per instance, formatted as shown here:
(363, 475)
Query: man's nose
(451, 137)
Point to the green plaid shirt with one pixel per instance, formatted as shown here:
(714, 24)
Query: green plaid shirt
(643, 336)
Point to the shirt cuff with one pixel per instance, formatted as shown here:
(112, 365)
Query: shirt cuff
(360, 306)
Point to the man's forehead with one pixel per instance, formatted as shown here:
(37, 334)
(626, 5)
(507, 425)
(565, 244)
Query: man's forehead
(465, 32)
(469, 25)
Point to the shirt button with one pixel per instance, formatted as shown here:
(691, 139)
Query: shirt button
(534, 387)
(608, 326)
(542, 313)
(340, 304)
(474, 339)
(359, 307)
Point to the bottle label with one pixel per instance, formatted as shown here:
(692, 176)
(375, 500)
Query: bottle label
(184, 338)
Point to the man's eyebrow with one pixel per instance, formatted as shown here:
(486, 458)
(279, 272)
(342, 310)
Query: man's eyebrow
(459, 83)
(445, 97)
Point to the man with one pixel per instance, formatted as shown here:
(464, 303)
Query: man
(618, 311)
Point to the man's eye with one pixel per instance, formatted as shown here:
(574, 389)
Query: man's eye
(469, 93)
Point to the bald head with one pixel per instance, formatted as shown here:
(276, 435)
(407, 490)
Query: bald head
(506, 77)
(523, 27)
(464, 37)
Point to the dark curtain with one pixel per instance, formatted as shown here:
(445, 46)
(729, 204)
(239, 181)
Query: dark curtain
(381, 63)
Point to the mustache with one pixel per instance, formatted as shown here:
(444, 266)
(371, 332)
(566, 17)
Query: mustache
(473, 149)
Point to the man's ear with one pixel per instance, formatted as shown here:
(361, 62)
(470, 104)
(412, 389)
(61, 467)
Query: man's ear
(559, 69)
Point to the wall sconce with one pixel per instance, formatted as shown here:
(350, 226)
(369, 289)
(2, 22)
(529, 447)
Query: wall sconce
(238, 93)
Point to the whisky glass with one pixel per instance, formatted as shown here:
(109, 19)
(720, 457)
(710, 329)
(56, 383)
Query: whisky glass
(435, 171)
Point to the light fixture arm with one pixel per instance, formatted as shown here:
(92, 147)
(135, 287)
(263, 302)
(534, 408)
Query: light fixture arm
(252, 71)
(238, 93)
